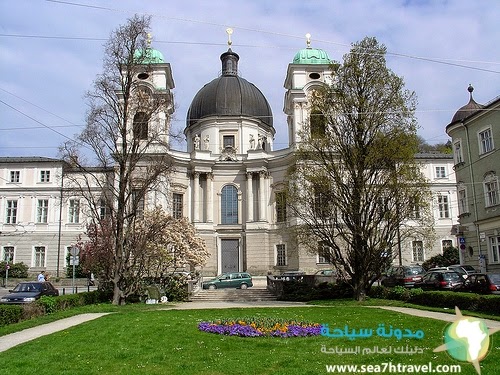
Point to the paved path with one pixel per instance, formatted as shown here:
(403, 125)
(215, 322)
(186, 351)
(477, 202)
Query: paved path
(9, 341)
(13, 339)
(434, 315)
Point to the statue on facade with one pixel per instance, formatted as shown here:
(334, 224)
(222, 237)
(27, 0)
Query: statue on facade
(196, 141)
(252, 142)
(260, 145)
(207, 142)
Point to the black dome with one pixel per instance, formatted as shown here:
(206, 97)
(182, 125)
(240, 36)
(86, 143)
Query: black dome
(467, 109)
(229, 95)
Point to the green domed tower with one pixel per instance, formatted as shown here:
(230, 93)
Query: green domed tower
(309, 70)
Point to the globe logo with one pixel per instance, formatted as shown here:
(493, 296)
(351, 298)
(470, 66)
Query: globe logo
(467, 339)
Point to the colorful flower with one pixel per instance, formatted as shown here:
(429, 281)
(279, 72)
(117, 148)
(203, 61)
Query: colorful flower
(255, 327)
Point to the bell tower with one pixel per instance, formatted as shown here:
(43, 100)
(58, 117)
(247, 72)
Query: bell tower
(310, 69)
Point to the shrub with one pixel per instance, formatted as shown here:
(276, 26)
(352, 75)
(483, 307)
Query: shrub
(299, 291)
(489, 304)
(32, 310)
(48, 303)
(10, 314)
(16, 270)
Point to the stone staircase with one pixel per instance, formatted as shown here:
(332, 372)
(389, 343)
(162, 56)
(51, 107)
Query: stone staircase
(233, 295)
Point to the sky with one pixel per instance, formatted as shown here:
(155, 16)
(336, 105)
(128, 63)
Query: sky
(51, 51)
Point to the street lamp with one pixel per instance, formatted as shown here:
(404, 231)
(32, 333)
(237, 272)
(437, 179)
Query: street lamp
(74, 253)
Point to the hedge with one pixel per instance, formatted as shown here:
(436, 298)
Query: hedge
(489, 304)
(10, 314)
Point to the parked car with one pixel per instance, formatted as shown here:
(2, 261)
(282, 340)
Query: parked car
(240, 280)
(482, 283)
(325, 276)
(441, 280)
(405, 276)
(30, 291)
(464, 270)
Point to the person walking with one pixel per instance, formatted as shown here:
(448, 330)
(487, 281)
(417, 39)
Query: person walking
(41, 276)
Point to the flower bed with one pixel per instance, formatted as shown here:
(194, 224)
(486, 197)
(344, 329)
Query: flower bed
(257, 327)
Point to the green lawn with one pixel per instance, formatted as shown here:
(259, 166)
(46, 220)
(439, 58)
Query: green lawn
(145, 340)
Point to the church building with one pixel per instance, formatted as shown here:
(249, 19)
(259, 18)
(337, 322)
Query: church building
(229, 182)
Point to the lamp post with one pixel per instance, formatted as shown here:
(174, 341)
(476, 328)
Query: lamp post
(74, 253)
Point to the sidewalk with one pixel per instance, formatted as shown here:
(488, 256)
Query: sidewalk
(434, 315)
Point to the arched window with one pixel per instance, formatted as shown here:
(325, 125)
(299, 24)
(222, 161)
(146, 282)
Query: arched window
(318, 124)
(141, 126)
(229, 205)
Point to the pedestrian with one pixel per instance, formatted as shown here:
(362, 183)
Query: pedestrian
(41, 276)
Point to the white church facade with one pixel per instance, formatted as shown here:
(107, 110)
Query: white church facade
(229, 182)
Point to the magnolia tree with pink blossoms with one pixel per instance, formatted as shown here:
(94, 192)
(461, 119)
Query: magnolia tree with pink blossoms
(159, 245)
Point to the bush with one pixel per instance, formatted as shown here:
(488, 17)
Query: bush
(16, 270)
(48, 303)
(399, 293)
(10, 314)
(32, 310)
(303, 292)
(489, 304)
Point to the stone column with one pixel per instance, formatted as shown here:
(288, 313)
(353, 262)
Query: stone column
(196, 197)
(249, 196)
(262, 196)
(210, 197)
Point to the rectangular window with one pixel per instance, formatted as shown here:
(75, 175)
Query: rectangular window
(495, 249)
(39, 256)
(323, 253)
(74, 211)
(485, 141)
(491, 192)
(228, 140)
(418, 251)
(280, 207)
(463, 207)
(8, 254)
(280, 255)
(321, 203)
(44, 176)
(15, 176)
(177, 206)
(457, 152)
(103, 209)
(444, 207)
(416, 209)
(446, 244)
(138, 203)
(440, 172)
(11, 215)
(42, 211)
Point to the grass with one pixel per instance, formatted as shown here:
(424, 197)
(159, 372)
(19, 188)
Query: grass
(141, 339)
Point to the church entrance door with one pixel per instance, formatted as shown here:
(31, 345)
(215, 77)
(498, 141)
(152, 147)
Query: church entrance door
(230, 257)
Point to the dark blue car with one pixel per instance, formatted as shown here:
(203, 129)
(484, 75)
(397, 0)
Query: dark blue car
(29, 291)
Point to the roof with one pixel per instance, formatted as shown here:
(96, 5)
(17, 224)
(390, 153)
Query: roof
(470, 108)
(149, 56)
(311, 56)
(433, 155)
(229, 95)
(29, 159)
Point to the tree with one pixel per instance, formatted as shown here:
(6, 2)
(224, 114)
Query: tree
(160, 245)
(127, 135)
(444, 148)
(355, 188)
(450, 256)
